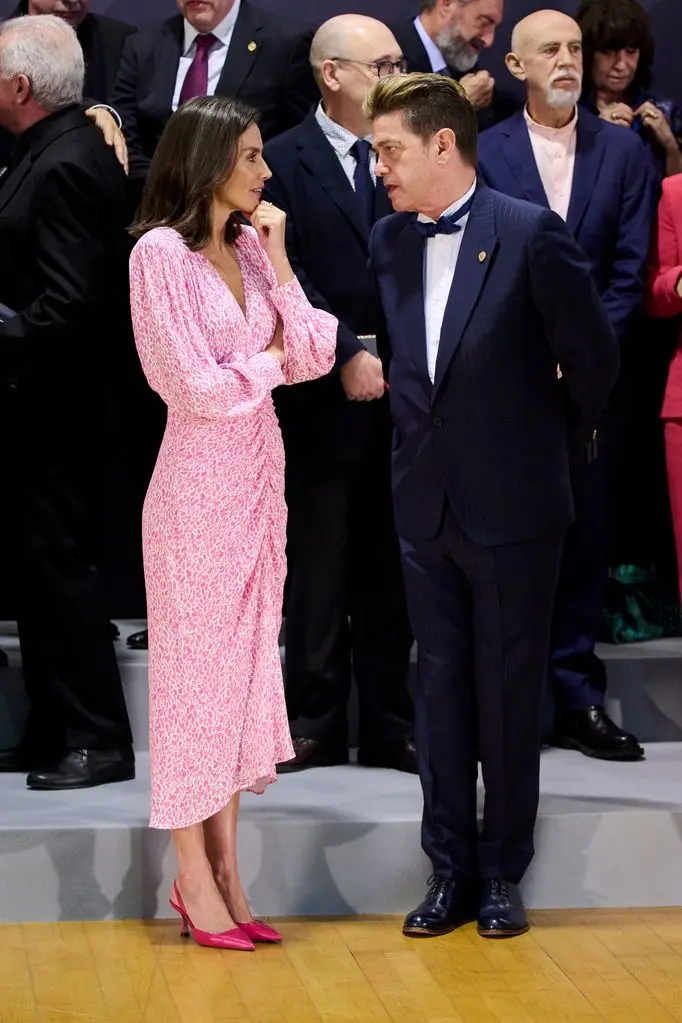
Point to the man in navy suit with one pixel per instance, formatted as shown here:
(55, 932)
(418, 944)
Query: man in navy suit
(598, 179)
(346, 602)
(484, 297)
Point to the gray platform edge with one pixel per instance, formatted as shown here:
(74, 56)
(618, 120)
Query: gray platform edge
(342, 841)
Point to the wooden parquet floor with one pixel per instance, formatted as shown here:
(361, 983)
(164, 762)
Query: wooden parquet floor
(582, 966)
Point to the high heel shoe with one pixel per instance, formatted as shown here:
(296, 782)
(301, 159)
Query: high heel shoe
(258, 931)
(235, 939)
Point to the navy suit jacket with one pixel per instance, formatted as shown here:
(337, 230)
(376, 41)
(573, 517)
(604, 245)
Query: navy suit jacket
(327, 243)
(612, 204)
(493, 434)
(265, 67)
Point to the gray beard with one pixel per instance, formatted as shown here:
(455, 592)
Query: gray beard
(557, 99)
(458, 54)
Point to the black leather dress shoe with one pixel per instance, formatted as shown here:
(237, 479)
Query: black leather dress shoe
(138, 640)
(501, 914)
(448, 904)
(85, 768)
(593, 733)
(398, 756)
(313, 753)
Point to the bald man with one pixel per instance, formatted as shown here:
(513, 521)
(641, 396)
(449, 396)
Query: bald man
(598, 178)
(346, 601)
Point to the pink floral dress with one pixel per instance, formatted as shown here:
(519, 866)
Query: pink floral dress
(214, 519)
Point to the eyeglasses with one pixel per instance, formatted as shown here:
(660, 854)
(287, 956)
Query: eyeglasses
(381, 68)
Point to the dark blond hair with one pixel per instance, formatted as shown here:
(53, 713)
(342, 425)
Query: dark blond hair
(197, 154)
(428, 104)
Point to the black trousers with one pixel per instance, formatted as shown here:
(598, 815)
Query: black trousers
(346, 606)
(52, 539)
(481, 617)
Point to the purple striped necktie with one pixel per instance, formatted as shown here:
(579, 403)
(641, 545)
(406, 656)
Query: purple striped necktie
(196, 79)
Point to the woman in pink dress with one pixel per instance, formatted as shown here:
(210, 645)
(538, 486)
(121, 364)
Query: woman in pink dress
(220, 320)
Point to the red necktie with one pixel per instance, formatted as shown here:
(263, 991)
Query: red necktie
(196, 79)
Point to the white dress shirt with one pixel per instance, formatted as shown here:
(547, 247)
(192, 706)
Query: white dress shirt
(217, 55)
(342, 141)
(438, 61)
(441, 261)
(554, 152)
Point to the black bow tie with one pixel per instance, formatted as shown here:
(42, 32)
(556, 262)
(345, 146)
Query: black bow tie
(444, 225)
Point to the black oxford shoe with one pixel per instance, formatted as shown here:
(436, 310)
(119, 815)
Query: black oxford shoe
(593, 733)
(448, 904)
(501, 914)
(84, 769)
(138, 640)
(397, 756)
(313, 753)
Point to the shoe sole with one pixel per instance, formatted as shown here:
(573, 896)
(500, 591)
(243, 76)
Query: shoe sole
(504, 934)
(577, 747)
(128, 776)
(420, 932)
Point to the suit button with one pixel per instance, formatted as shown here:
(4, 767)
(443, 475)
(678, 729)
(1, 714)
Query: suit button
(437, 421)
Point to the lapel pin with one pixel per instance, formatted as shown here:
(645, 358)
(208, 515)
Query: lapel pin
(252, 46)
(482, 257)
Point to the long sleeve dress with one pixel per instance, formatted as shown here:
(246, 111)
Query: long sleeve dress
(214, 519)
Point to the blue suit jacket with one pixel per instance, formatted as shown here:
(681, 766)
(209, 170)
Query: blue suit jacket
(492, 435)
(327, 244)
(612, 204)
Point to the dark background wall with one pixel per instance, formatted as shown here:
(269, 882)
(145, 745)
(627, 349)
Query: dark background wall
(666, 16)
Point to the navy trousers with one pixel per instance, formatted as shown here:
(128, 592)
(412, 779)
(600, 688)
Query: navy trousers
(481, 617)
(577, 677)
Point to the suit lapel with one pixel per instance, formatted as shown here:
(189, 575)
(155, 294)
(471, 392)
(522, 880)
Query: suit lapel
(166, 60)
(408, 259)
(242, 53)
(589, 153)
(518, 152)
(10, 182)
(317, 155)
(473, 262)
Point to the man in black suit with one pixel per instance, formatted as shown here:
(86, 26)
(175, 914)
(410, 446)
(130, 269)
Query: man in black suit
(447, 37)
(63, 272)
(484, 297)
(102, 40)
(345, 602)
(225, 47)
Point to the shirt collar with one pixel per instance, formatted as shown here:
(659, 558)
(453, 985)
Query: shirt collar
(339, 138)
(453, 208)
(436, 58)
(222, 32)
(553, 134)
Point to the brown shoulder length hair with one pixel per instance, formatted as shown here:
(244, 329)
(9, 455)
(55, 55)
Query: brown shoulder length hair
(196, 154)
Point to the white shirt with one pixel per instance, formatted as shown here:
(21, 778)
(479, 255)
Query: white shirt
(342, 141)
(217, 55)
(441, 261)
(554, 152)
(438, 62)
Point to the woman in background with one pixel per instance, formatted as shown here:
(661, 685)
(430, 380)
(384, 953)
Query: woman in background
(664, 299)
(618, 54)
(220, 320)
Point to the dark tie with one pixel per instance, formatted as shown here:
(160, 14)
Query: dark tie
(444, 225)
(364, 186)
(196, 79)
